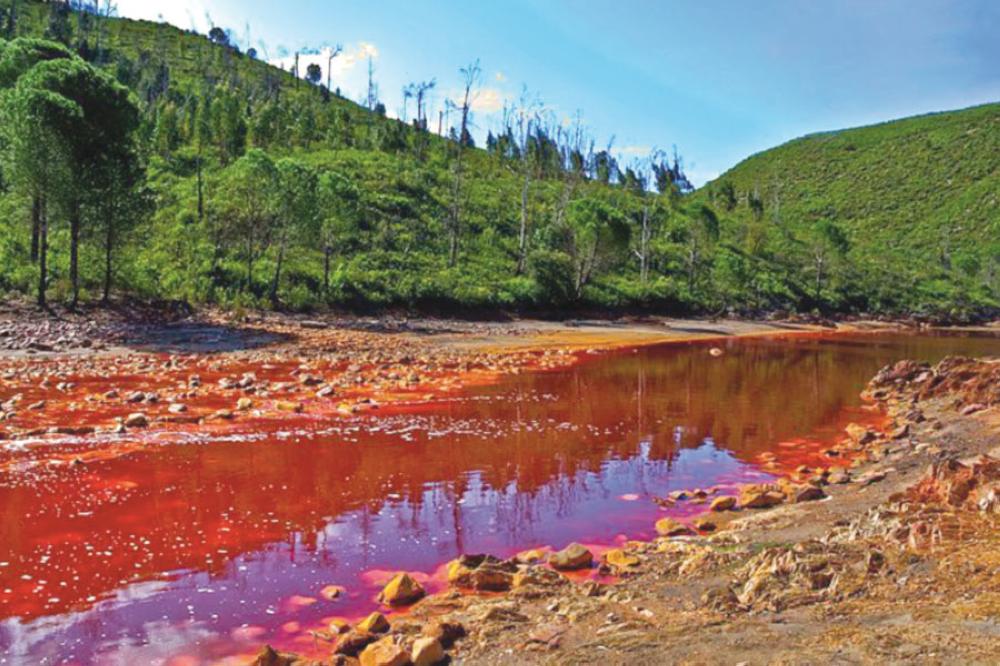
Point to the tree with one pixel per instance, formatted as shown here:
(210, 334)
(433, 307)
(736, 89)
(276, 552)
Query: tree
(598, 233)
(338, 205)
(247, 208)
(314, 73)
(218, 36)
(35, 122)
(699, 236)
(123, 202)
(471, 75)
(827, 243)
(16, 58)
(106, 118)
(295, 209)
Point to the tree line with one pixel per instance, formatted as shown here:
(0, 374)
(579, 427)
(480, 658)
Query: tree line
(187, 168)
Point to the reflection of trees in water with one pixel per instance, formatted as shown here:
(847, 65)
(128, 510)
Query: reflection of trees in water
(639, 408)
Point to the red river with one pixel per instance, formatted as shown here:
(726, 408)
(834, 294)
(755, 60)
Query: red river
(198, 547)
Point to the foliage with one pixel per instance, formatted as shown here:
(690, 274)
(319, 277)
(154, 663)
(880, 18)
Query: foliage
(203, 173)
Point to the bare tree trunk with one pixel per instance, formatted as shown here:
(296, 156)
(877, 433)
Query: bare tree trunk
(43, 251)
(276, 281)
(250, 261)
(36, 204)
(522, 237)
(327, 252)
(74, 254)
(201, 190)
(108, 245)
(644, 245)
(454, 221)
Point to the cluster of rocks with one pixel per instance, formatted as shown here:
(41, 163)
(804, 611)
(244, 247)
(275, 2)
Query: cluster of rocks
(49, 336)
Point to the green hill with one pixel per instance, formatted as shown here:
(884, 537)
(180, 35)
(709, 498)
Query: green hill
(243, 185)
(917, 199)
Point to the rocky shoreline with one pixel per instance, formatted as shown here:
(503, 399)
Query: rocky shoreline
(900, 562)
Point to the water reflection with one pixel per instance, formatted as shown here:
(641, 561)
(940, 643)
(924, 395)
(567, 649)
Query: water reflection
(205, 549)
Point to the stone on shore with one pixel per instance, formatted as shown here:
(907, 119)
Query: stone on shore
(374, 624)
(426, 651)
(384, 652)
(571, 558)
(669, 527)
(727, 503)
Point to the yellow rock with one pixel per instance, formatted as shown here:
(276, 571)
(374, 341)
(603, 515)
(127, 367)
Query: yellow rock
(530, 556)
(401, 590)
(670, 528)
(621, 558)
(727, 503)
(384, 653)
(374, 624)
(427, 651)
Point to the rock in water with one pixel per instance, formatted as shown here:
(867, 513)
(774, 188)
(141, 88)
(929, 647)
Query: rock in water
(572, 557)
(136, 420)
(401, 590)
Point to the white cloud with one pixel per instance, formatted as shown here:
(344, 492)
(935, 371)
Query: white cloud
(347, 71)
(489, 100)
(635, 151)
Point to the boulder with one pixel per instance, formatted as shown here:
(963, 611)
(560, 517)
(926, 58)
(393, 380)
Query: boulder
(136, 420)
(268, 656)
(860, 434)
(760, 497)
(353, 642)
(481, 572)
(427, 651)
(403, 589)
(384, 652)
(809, 494)
(374, 624)
(571, 558)
(538, 576)
(621, 559)
(727, 503)
(445, 631)
(705, 525)
(669, 527)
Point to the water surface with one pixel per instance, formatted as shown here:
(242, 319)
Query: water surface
(192, 552)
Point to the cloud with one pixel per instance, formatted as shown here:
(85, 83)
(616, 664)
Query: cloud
(635, 150)
(344, 71)
(489, 100)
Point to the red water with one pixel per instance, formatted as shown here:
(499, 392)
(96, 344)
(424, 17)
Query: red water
(197, 547)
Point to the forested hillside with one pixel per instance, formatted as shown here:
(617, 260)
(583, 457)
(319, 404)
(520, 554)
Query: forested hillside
(142, 160)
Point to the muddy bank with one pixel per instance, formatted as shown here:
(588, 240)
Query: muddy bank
(26, 331)
(888, 555)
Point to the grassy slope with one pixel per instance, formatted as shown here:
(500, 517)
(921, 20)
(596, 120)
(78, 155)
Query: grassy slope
(919, 195)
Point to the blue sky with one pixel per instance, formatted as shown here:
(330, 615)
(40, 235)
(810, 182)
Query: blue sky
(721, 79)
